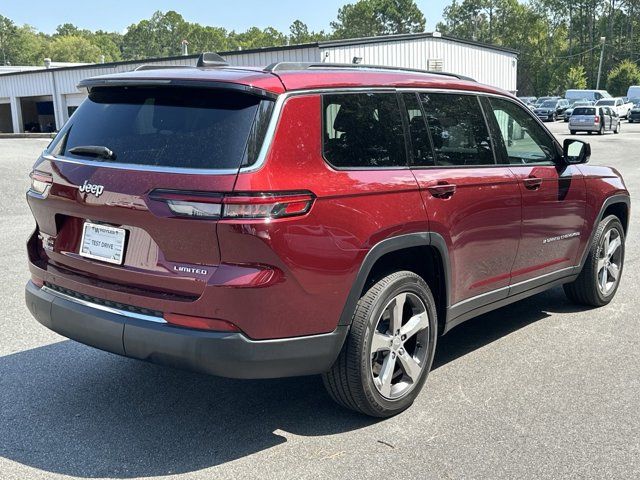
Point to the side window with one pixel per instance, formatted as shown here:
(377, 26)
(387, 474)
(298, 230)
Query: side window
(458, 129)
(523, 138)
(422, 154)
(363, 130)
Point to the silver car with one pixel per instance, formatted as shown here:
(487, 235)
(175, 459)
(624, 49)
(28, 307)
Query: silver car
(577, 103)
(594, 119)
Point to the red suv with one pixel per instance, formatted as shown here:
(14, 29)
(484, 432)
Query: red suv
(309, 219)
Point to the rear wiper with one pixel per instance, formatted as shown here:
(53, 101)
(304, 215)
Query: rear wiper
(93, 151)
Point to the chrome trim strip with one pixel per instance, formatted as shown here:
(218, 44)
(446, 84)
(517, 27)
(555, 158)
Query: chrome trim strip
(508, 288)
(273, 123)
(104, 308)
(143, 168)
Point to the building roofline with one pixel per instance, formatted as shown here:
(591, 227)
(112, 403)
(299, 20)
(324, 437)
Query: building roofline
(412, 36)
(323, 44)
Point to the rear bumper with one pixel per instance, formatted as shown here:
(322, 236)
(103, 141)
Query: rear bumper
(584, 127)
(218, 353)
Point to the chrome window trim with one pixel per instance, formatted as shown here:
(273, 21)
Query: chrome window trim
(104, 308)
(273, 123)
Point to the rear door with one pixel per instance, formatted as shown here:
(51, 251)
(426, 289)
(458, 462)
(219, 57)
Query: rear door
(473, 203)
(553, 195)
(142, 218)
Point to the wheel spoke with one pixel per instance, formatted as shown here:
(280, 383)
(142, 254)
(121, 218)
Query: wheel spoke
(386, 374)
(613, 246)
(414, 325)
(396, 312)
(614, 271)
(602, 263)
(603, 280)
(380, 342)
(607, 238)
(410, 366)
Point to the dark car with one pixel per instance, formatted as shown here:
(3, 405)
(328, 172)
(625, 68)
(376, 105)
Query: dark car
(309, 219)
(551, 110)
(634, 114)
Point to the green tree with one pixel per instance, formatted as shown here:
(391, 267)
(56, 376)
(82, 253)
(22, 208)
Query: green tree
(256, 38)
(576, 78)
(72, 48)
(299, 33)
(625, 74)
(378, 17)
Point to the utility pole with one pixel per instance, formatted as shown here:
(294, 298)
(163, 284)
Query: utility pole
(602, 39)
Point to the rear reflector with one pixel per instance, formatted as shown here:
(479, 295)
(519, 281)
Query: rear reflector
(200, 323)
(235, 206)
(40, 182)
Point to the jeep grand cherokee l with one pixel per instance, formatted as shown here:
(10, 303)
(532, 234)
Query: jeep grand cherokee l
(309, 219)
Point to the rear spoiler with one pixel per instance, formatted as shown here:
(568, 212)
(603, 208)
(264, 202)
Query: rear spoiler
(105, 81)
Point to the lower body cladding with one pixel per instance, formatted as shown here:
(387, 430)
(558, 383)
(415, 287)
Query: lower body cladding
(224, 354)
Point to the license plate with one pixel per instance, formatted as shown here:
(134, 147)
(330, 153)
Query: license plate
(102, 242)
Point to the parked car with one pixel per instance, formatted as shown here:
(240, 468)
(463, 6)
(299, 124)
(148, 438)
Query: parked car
(577, 103)
(619, 105)
(633, 93)
(594, 119)
(541, 100)
(593, 95)
(268, 223)
(528, 101)
(550, 110)
(634, 115)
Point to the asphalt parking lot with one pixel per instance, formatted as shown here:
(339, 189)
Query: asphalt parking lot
(539, 389)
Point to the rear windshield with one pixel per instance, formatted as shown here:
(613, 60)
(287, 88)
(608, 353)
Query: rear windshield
(608, 103)
(584, 111)
(168, 127)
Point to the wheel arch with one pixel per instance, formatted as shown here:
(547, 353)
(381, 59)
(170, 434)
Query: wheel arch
(618, 205)
(401, 253)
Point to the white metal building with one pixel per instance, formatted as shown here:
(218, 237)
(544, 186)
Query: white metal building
(42, 100)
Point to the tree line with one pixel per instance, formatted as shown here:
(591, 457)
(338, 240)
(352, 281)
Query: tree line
(559, 41)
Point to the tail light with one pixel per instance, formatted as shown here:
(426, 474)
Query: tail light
(596, 119)
(40, 182)
(200, 323)
(235, 206)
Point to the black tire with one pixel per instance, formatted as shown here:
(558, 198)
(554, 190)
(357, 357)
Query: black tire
(584, 290)
(350, 382)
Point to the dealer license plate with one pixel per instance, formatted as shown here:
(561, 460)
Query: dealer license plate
(102, 242)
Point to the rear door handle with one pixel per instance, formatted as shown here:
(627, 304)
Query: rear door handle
(444, 190)
(532, 183)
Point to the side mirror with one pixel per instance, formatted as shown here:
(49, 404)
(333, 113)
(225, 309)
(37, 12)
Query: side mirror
(576, 151)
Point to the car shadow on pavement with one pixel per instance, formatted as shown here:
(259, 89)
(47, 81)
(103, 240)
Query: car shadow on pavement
(69, 409)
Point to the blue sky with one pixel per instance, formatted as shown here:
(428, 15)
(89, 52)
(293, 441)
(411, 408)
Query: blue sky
(116, 15)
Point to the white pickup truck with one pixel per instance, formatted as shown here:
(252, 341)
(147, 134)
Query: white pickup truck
(618, 105)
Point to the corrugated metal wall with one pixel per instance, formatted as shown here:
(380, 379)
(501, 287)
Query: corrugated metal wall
(485, 65)
(262, 59)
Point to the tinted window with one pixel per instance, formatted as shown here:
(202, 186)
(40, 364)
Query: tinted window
(584, 111)
(168, 127)
(458, 129)
(363, 130)
(422, 154)
(523, 139)
(606, 102)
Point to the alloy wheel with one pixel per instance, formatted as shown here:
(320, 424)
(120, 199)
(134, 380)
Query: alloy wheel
(399, 346)
(609, 261)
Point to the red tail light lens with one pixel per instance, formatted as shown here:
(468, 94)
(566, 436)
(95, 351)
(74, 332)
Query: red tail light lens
(235, 206)
(200, 323)
(40, 182)
(596, 119)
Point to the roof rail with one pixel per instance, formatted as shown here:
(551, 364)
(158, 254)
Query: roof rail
(211, 59)
(289, 66)
(149, 66)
